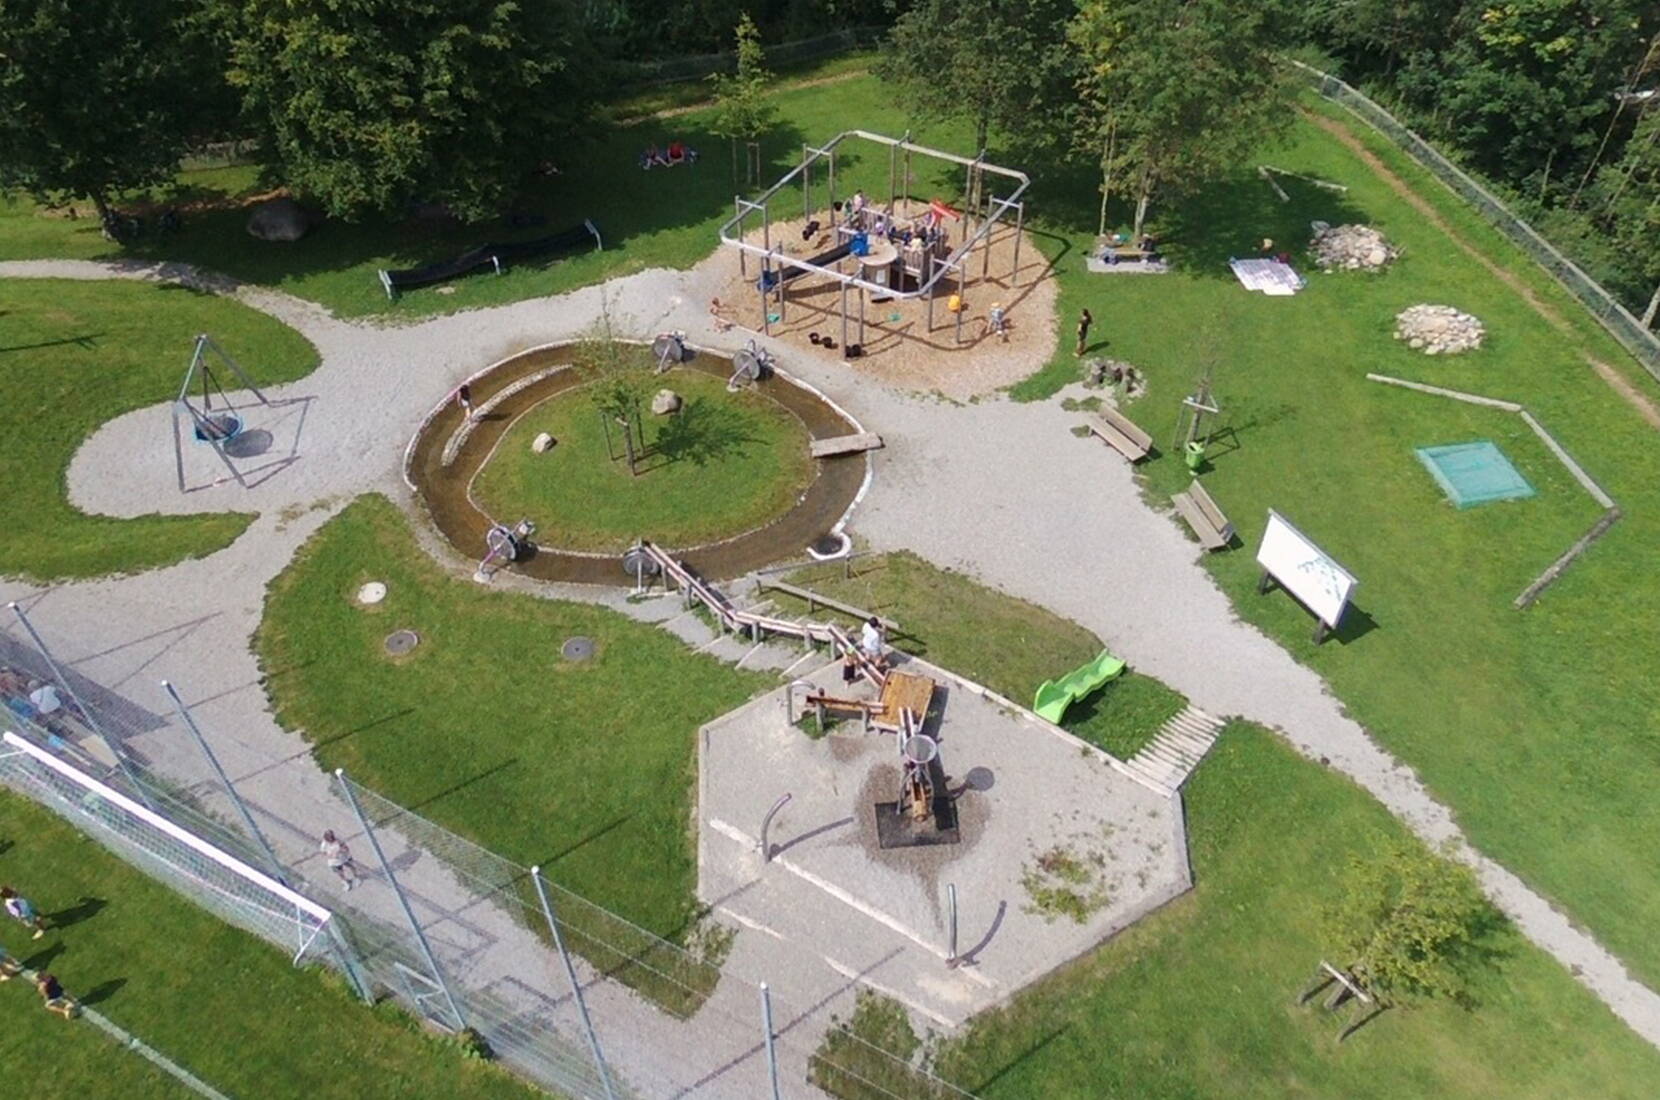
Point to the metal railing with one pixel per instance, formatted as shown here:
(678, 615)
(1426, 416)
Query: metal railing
(1632, 334)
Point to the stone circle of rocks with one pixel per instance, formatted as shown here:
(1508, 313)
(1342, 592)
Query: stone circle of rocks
(542, 444)
(665, 402)
(1349, 248)
(1438, 330)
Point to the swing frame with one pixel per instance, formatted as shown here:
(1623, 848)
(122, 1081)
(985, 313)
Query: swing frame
(199, 415)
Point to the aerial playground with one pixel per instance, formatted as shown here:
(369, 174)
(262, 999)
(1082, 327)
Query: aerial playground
(932, 267)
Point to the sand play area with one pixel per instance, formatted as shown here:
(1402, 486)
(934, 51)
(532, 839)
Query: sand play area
(900, 348)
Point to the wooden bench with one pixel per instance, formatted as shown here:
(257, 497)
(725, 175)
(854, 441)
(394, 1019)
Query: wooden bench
(845, 445)
(1206, 519)
(1121, 433)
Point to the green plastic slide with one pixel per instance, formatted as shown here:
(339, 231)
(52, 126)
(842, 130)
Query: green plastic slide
(1054, 696)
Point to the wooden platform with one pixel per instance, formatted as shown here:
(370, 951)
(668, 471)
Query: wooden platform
(903, 691)
(846, 445)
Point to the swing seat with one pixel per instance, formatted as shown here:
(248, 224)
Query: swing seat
(217, 428)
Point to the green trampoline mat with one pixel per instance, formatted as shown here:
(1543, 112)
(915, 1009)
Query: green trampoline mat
(1474, 473)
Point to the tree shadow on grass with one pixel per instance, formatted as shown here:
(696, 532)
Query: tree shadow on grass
(1231, 217)
(702, 432)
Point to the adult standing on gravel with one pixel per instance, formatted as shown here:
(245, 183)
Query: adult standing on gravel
(339, 858)
(1084, 321)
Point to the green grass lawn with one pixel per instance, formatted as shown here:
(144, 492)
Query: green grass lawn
(226, 1006)
(76, 354)
(725, 464)
(1007, 644)
(1535, 726)
(1199, 999)
(585, 768)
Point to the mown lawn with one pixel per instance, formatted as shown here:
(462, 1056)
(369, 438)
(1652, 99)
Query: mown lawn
(1535, 726)
(585, 768)
(1007, 644)
(76, 354)
(226, 1006)
(726, 463)
(1199, 999)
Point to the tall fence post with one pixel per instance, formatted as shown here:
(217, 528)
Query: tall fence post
(86, 712)
(409, 914)
(576, 986)
(771, 1037)
(348, 964)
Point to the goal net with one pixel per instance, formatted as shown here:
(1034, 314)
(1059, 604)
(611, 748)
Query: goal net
(213, 878)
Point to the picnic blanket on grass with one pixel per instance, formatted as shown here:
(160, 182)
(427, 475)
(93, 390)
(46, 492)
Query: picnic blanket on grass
(1269, 276)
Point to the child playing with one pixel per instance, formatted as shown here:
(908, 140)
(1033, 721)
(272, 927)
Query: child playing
(23, 910)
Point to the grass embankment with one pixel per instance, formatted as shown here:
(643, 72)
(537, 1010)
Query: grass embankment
(1007, 644)
(1199, 999)
(583, 767)
(1533, 725)
(724, 464)
(77, 354)
(224, 1005)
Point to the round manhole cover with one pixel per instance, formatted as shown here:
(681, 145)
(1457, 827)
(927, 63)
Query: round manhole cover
(373, 592)
(577, 649)
(400, 642)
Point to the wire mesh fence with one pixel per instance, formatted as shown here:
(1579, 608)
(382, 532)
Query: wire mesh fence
(625, 1013)
(1632, 334)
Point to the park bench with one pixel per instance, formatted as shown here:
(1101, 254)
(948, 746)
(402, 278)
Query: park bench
(1121, 433)
(1202, 514)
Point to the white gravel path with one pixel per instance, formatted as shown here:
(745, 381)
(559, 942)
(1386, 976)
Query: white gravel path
(1000, 490)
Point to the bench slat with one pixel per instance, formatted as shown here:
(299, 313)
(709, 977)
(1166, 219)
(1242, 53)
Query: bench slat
(1120, 441)
(1209, 536)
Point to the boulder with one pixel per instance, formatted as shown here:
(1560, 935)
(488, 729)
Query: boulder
(666, 402)
(542, 444)
(279, 219)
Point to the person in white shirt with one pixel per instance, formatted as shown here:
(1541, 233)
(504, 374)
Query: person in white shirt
(872, 641)
(339, 858)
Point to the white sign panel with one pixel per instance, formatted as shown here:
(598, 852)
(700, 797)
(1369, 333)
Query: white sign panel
(1305, 570)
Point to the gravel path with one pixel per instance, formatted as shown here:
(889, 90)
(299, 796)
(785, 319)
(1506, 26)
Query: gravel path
(1000, 490)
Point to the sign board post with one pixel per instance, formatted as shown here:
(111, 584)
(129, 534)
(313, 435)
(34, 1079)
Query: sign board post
(1290, 559)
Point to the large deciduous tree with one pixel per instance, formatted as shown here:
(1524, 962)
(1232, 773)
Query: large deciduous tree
(96, 96)
(1409, 922)
(368, 105)
(1176, 92)
(997, 63)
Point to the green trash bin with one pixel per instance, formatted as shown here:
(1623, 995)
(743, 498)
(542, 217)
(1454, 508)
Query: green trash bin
(1195, 455)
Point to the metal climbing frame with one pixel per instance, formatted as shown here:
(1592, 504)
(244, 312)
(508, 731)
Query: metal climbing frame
(988, 210)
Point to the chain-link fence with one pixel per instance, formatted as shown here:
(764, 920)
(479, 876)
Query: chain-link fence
(1641, 342)
(587, 1004)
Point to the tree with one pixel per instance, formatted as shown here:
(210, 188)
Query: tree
(742, 110)
(618, 377)
(1000, 64)
(1628, 198)
(371, 104)
(1176, 92)
(94, 96)
(1410, 922)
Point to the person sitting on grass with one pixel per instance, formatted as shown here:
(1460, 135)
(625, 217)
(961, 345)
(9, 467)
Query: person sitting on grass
(652, 156)
(9, 966)
(677, 151)
(53, 996)
(23, 910)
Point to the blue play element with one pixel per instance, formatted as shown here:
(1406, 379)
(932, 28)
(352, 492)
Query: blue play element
(1474, 473)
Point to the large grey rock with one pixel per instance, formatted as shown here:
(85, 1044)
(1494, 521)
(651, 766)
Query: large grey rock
(666, 402)
(279, 219)
(542, 444)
